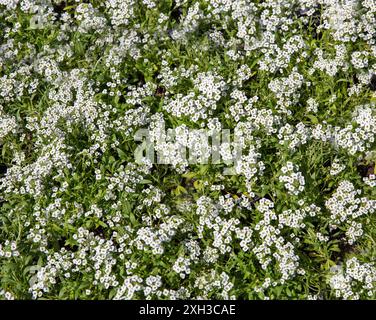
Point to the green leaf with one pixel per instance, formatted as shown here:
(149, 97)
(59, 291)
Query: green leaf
(313, 118)
(179, 190)
(121, 154)
(145, 181)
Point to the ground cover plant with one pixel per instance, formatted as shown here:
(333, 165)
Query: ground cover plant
(93, 208)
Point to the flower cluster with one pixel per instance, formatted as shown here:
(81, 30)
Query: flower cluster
(355, 280)
(292, 178)
(256, 173)
(345, 206)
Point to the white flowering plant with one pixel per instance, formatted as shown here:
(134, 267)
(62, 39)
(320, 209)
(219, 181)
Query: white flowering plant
(183, 149)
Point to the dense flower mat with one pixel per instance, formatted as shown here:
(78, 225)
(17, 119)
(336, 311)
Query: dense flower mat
(83, 217)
